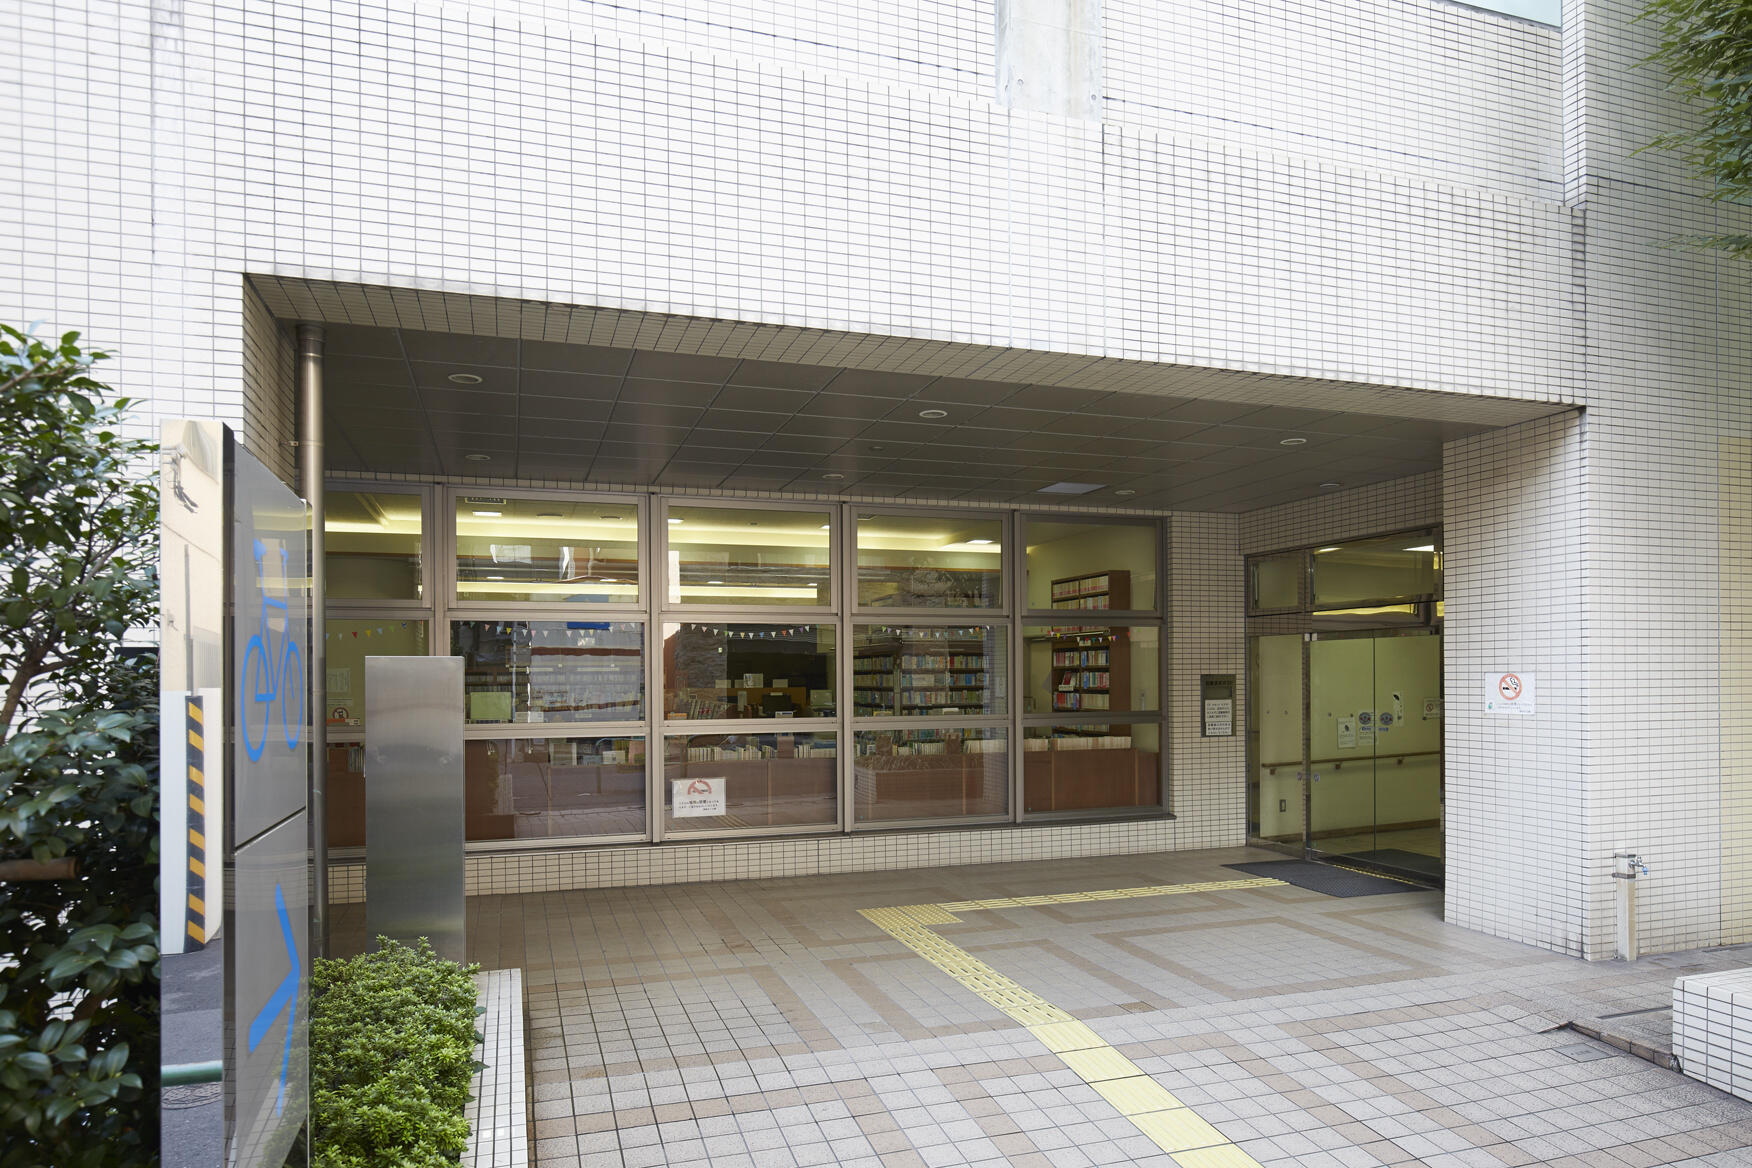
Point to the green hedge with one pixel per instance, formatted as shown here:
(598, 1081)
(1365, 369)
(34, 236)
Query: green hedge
(392, 1041)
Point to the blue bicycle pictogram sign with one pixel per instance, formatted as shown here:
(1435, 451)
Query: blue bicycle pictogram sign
(269, 678)
(284, 997)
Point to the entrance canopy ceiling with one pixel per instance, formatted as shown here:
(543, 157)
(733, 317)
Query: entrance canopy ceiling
(461, 403)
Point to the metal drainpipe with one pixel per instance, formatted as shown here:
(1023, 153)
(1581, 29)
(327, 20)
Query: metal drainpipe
(310, 474)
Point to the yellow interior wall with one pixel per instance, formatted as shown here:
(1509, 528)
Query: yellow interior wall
(1098, 547)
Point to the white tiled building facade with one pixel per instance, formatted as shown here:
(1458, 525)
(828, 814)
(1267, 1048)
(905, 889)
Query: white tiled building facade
(1396, 206)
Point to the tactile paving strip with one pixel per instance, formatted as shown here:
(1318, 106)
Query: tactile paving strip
(1170, 1124)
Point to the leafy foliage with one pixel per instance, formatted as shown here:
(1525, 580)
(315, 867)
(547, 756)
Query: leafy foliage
(392, 1041)
(78, 770)
(1706, 49)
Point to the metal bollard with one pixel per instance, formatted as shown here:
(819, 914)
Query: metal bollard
(1625, 866)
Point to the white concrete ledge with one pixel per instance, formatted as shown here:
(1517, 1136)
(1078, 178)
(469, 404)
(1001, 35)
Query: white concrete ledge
(1712, 1029)
(498, 1115)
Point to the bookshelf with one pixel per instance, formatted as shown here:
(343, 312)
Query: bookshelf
(919, 675)
(1090, 664)
(598, 677)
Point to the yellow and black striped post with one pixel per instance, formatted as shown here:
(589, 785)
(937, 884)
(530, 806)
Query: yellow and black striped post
(197, 877)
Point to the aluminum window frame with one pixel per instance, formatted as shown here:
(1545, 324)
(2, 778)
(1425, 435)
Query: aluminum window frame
(1006, 561)
(748, 613)
(498, 609)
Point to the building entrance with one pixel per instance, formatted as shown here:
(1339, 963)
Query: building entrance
(1345, 703)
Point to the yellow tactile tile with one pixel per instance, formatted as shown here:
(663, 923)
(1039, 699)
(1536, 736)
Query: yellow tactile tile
(1221, 1156)
(1099, 1064)
(1136, 1096)
(1179, 1130)
(1062, 1036)
(1170, 1124)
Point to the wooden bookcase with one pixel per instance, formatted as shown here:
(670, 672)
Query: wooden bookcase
(921, 676)
(1090, 665)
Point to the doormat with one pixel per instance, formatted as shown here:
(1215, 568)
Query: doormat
(1316, 877)
(1416, 863)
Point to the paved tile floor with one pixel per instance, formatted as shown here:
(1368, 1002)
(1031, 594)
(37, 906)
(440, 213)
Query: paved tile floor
(770, 1024)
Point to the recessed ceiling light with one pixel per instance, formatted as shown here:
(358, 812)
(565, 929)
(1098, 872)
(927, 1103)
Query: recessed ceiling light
(979, 541)
(1330, 485)
(477, 458)
(878, 446)
(1125, 491)
(673, 519)
(1292, 442)
(464, 378)
(489, 514)
(1071, 488)
(933, 413)
(833, 474)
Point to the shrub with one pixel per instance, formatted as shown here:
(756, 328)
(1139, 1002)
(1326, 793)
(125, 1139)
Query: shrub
(78, 770)
(392, 1041)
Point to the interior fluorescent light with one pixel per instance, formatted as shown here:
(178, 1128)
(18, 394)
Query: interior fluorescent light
(489, 514)
(1422, 547)
(495, 577)
(1318, 551)
(979, 541)
(673, 519)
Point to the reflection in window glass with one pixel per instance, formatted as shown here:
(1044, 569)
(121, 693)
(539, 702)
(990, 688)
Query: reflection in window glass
(1276, 581)
(1079, 668)
(1091, 767)
(732, 556)
(546, 550)
(347, 645)
(917, 671)
(1083, 565)
(549, 788)
(346, 794)
(930, 561)
(930, 774)
(372, 545)
(551, 671)
(720, 782)
(1401, 567)
(747, 671)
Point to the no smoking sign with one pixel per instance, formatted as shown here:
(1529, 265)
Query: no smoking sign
(1508, 693)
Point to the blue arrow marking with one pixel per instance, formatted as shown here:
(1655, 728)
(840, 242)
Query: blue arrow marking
(285, 997)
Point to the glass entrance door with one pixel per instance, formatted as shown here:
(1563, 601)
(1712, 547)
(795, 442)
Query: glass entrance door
(1375, 748)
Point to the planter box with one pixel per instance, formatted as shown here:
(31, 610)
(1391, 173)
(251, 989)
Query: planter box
(498, 1115)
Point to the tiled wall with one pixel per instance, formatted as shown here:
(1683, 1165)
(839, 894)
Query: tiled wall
(611, 867)
(1515, 524)
(1206, 634)
(1377, 509)
(1385, 217)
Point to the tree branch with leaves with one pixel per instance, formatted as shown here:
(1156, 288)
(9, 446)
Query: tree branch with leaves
(1706, 51)
(79, 1005)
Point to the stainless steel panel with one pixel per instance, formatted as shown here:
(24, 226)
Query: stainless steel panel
(270, 649)
(270, 1008)
(413, 800)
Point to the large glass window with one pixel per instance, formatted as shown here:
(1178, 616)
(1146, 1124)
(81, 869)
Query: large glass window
(747, 671)
(349, 642)
(1081, 564)
(914, 671)
(549, 550)
(930, 561)
(1099, 668)
(1396, 568)
(727, 556)
(551, 788)
(1091, 767)
(551, 671)
(931, 774)
(1275, 582)
(372, 542)
(727, 782)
